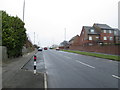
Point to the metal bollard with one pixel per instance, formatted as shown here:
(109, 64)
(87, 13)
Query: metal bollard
(35, 64)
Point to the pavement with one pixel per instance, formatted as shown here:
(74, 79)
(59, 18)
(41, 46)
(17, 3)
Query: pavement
(16, 77)
(70, 70)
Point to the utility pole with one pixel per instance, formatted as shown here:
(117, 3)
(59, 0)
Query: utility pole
(119, 14)
(34, 37)
(23, 10)
(65, 34)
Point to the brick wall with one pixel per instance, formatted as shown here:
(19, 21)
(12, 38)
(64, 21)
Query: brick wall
(109, 49)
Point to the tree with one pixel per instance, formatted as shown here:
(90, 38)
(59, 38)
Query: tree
(13, 34)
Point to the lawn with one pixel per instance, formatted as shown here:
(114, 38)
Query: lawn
(111, 57)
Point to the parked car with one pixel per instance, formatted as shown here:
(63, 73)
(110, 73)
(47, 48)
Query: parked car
(39, 49)
(45, 48)
(57, 48)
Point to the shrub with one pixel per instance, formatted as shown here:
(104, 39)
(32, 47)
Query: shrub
(13, 34)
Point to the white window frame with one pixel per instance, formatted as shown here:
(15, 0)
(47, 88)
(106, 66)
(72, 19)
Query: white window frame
(111, 38)
(92, 30)
(97, 37)
(104, 31)
(115, 32)
(90, 37)
(104, 38)
(110, 31)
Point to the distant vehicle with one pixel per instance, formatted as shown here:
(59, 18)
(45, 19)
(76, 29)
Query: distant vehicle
(45, 48)
(57, 48)
(39, 49)
(50, 48)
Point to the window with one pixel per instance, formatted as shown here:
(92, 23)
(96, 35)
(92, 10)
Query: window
(90, 44)
(92, 30)
(97, 37)
(100, 43)
(115, 32)
(110, 31)
(111, 38)
(83, 32)
(104, 38)
(104, 31)
(90, 37)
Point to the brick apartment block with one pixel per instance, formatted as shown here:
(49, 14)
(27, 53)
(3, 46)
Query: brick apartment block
(99, 34)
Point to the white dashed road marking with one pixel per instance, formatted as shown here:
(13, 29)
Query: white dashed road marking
(85, 64)
(116, 76)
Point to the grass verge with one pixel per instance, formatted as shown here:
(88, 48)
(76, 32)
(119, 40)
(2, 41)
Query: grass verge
(112, 57)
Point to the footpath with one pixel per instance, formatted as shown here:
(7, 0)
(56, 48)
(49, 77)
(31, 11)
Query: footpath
(15, 77)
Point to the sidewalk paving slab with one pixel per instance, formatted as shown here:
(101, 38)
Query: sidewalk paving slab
(15, 77)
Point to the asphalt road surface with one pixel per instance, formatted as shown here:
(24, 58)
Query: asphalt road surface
(69, 70)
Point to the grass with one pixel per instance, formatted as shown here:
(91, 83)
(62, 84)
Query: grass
(112, 57)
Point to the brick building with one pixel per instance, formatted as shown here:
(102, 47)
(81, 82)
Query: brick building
(92, 38)
(99, 34)
(75, 40)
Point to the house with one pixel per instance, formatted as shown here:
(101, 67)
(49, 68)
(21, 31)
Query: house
(75, 40)
(64, 44)
(89, 36)
(117, 35)
(106, 33)
(99, 34)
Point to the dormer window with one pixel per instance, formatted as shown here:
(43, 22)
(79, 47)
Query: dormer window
(92, 30)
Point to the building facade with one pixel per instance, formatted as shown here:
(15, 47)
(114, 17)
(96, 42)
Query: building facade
(99, 34)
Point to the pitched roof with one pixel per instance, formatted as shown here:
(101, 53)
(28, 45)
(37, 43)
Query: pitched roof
(88, 28)
(73, 38)
(103, 26)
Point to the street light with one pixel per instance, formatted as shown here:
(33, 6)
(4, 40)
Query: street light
(23, 9)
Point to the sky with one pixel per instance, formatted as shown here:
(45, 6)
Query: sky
(49, 18)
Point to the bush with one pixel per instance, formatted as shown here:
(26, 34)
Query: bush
(13, 34)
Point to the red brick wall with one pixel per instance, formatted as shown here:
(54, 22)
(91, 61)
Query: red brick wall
(109, 49)
(76, 41)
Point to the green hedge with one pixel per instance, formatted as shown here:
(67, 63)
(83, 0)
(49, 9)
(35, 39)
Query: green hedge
(13, 34)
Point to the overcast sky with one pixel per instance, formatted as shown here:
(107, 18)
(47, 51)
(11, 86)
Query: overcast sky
(49, 18)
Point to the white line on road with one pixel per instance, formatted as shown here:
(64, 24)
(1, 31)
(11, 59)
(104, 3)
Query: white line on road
(116, 76)
(45, 75)
(85, 64)
(45, 81)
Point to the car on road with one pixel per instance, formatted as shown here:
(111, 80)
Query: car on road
(57, 48)
(39, 49)
(45, 48)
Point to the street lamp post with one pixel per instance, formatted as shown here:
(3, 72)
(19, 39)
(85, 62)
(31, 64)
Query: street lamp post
(23, 9)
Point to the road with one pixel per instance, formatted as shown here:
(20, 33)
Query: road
(69, 70)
